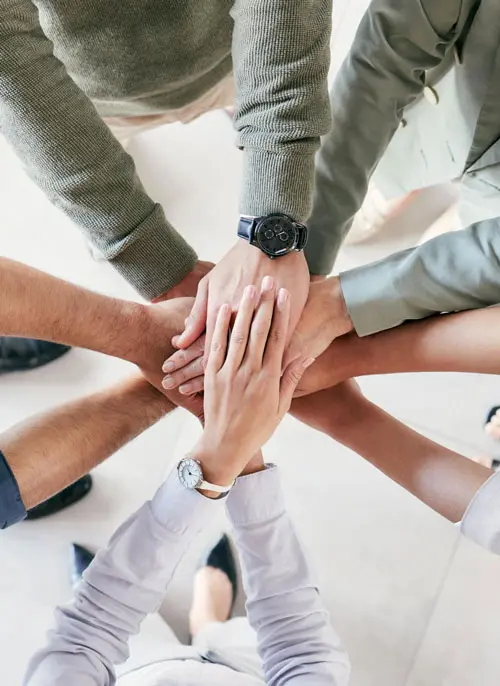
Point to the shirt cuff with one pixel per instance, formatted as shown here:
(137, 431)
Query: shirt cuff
(481, 522)
(277, 182)
(371, 298)
(12, 508)
(154, 257)
(181, 510)
(256, 498)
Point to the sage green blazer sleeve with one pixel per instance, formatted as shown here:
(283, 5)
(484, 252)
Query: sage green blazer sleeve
(397, 41)
(453, 272)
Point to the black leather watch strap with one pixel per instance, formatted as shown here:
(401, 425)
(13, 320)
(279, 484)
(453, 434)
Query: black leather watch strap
(303, 236)
(246, 228)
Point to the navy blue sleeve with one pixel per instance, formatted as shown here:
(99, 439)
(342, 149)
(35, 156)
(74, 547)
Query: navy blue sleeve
(12, 508)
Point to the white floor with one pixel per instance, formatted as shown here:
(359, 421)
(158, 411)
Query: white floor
(415, 605)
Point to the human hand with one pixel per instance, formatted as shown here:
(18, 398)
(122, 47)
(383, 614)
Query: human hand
(244, 265)
(325, 317)
(245, 394)
(158, 324)
(319, 334)
(189, 284)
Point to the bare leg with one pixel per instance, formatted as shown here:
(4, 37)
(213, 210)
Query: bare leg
(439, 477)
(212, 599)
(52, 450)
(465, 342)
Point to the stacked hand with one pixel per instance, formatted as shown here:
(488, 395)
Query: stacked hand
(246, 394)
(324, 319)
(242, 266)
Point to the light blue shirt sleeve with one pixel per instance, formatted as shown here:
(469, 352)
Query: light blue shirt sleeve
(295, 639)
(128, 580)
(124, 583)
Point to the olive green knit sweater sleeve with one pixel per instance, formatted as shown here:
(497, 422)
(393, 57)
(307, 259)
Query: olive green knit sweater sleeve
(73, 157)
(281, 56)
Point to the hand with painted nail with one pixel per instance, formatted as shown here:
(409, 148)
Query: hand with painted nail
(185, 368)
(244, 265)
(246, 394)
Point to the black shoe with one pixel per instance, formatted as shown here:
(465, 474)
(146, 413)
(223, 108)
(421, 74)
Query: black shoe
(22, 354)
(70, 495)
(221, 557)
(79, 561)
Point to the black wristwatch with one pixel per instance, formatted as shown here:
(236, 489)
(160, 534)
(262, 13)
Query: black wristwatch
(276, 234)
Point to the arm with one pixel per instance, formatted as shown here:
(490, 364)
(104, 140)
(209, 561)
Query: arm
(451, 484)
(296, 643)
(128, 580)
(37, 305)
(48, 452)
(281, 55)
(71, 154)
(465, 342)
(456, 271)
(125, 582)
(397, 41)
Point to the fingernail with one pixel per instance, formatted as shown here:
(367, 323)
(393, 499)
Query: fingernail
(308, 362)
(282, 296)
(249, 292)
(168, 382)
(186, 389)
(176, 340)
(267, 283)
(168, 366)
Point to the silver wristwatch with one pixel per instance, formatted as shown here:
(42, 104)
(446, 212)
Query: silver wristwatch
(191, 476)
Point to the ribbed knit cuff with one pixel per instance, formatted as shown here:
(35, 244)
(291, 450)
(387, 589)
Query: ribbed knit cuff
(154, 257)
(277, 182)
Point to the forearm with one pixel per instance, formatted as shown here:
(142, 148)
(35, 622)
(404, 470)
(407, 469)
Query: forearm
(397, 41)
(465, 342)
(281, 55)
(50, 451)
(72, 155)
(439, 477)
(37, 305)
(296, 642)
(124, 583)
(453, 272)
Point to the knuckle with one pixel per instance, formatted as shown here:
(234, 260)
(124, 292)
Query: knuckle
(294, 375)
(216, 346)
(276, 335)
(238, 337)
(262, 330)
(180, 358)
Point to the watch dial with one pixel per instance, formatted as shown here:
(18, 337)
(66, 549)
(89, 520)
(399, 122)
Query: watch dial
(190, 473)
(276, 236)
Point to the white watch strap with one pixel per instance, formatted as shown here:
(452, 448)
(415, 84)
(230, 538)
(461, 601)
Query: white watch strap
(207, 486)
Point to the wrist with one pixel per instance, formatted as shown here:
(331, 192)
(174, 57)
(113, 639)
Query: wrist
(338, 305)
(141, 329)
(145, 397)
(220, 464)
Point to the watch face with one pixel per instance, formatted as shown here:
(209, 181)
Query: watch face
(190, 474)
(276, 235)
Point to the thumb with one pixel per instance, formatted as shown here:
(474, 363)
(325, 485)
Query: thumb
(290, 380)
(196, 322)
